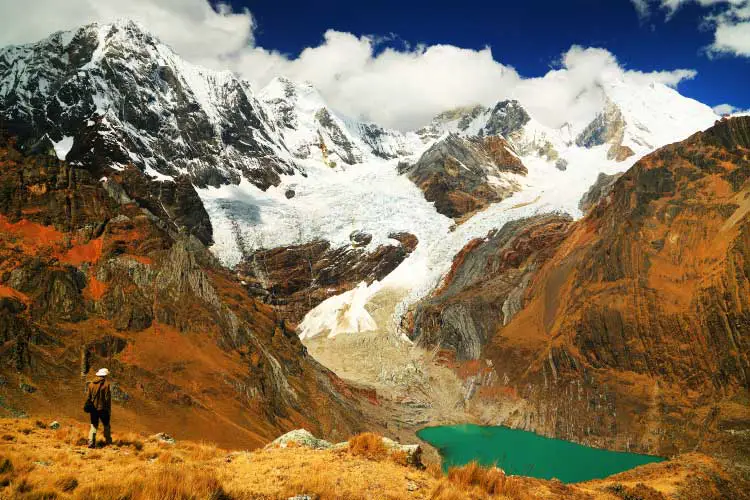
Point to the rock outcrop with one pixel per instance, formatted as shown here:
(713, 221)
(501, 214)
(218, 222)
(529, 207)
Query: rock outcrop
(598, 191)
(506, 118)
(305, 439)
(297, 278)
(485, 287)
(607, 128)
(462, 176)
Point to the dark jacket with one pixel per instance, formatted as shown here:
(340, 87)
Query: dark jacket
(99, 394)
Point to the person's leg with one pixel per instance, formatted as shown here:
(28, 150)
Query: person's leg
(107, 431)
(92, 430)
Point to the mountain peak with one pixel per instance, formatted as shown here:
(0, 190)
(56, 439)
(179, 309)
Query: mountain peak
(164, 115)
(282, 87)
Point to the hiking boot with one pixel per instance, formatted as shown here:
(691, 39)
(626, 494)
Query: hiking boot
(92, 446)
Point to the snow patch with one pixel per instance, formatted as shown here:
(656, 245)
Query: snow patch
(63, 146)
(344, 313)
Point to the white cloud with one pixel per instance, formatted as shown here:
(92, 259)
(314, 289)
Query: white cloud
(671, 6)
(574, 92)
(732, 30)
(642, 7)
(192, 27)
(405, 89)
(730, 22)
(728, 109)
(396, 88)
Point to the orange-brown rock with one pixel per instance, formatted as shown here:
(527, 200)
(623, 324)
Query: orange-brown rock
(91, 277)
(297, 278)
(484, 288)
(462, 176)
(635, 333)
(632, 332)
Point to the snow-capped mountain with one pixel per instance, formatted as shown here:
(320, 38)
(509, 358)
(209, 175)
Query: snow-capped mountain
(634, 119)
(280, 167)
(156, 111)
(311, 130)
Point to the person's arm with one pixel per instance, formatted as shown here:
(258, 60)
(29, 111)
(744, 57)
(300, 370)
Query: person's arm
(108, 398)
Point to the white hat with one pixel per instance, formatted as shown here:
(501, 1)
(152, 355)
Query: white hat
(103, 372)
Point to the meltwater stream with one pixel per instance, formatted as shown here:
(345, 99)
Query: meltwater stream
(527, 454)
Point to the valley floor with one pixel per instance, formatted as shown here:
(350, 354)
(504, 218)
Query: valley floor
(37, 462)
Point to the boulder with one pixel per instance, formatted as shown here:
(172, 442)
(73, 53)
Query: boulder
(413, 451)
(305, 439)
(54, 425)
(163, 437)
(300, 437)
(360, 238)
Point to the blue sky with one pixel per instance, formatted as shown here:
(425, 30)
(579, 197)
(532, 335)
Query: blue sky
(529, 35)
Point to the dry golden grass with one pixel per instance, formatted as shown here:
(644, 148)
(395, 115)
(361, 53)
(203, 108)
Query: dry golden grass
(368, 445)
(473, 475)
(478, 482)
(48, 464)
(67, 484)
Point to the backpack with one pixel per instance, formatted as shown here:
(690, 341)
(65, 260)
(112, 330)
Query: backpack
(88, 406)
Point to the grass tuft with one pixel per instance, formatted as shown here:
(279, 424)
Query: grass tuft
(5, 465)
(368, 445)
(491, 481)
(67, 484)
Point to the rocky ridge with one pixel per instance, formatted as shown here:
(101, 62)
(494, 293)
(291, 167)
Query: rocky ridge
(297, 278)
(462, 176)
(313, 131)
(630, 334)
(485, 287)
(118, 87)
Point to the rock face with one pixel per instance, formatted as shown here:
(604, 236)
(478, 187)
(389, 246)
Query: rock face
(634, 332)
(117, 87)
(486, 285)
(462, 176)
(175, 203)
(310, 130)
(296, 279)
(505, 119)
(90, 277)
(607, 128)
(598, 191)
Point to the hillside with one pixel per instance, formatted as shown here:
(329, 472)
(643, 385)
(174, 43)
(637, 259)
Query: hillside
(89, 276)
(36, 462)
(627, 328)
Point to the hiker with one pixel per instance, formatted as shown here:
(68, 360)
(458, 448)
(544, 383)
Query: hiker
(99, 405)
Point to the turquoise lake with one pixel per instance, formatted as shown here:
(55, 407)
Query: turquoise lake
(527, 454)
